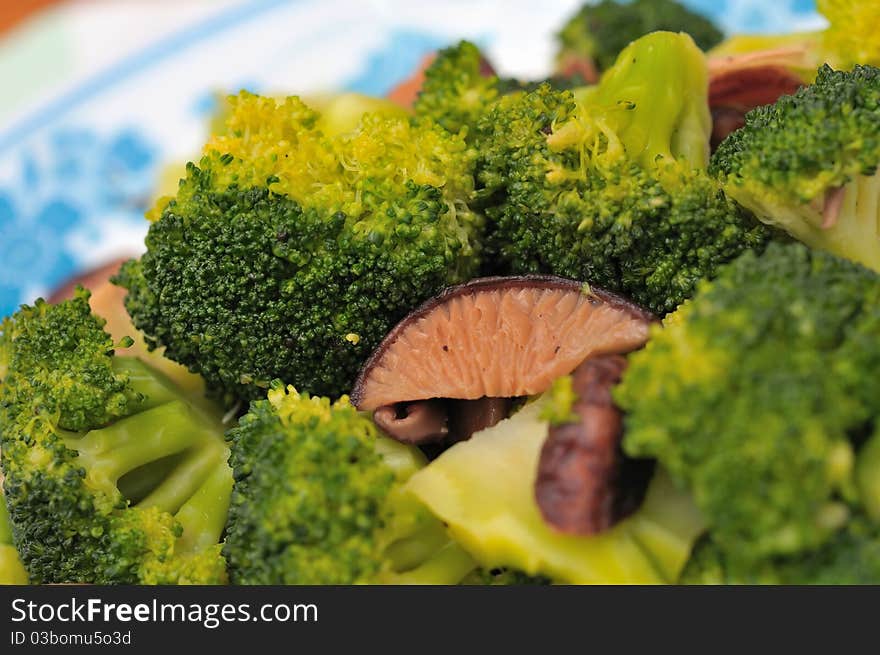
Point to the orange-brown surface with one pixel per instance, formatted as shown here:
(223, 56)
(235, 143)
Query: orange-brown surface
(497, 337)
(13, 12)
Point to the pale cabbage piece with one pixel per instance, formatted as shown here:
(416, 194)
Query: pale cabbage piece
(483, 489)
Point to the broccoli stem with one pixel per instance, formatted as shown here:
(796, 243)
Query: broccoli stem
(448, 566)
(867, 475)
(5, 525)
(109, 453)
(408, 552)
(203, 516)
(146, 381)
(11, 569)
(140, 483)
(184, 479)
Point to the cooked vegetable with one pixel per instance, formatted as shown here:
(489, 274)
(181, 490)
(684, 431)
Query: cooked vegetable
(460, 87)
(808, 164)
(108, 302)
(450, 367)
(483, 490)
(598, 32)
(738, 84)
(497, 337)
(319, 499)
(584, 484)
(110, 476)
(11, 569)
(613, 189)
(851, 557)
(289, 254)
(760, 397)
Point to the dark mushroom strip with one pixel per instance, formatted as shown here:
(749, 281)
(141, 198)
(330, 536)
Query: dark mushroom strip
(584, 483)
(469, 416)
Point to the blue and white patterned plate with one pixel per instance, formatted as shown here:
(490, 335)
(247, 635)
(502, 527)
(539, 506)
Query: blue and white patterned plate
(98, 97)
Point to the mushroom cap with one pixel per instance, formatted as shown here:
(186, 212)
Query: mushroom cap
(498, 337)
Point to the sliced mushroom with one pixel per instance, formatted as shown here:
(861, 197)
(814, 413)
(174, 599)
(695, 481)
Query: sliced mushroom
(739, 83)
(92, 279)
(490, 340)
(440, 421)
(584, 483)
(424, 421)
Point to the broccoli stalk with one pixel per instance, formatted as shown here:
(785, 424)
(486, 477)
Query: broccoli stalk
(110, 475)
(809, 164)
(613, 188)
(758, 396)
(319, 499)
(11, 569)
(287, 253)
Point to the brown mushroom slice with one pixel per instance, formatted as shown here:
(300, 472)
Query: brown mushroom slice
(499, 337)
(92, 279)
(584, 483)
(739, 83)
(440, 420)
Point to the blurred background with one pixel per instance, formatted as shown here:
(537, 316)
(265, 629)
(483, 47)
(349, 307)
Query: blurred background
(100, 98)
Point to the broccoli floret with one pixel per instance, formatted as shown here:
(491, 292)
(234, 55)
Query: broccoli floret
(11, 569)
(483, 489)
(110, 476)
(319, 499)
(808, 163)
(759, 394)
(613, 189)
(850, 557)
(598, 32)
(460, 88)
(288, 254)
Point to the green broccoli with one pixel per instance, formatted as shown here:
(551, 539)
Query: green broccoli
(760, 395)
(613, 189)
(110, 476)
(319, 499)
(851, 557)
(11, 569)
(598, 32)
(483, 489)
(460, 87)
(289, 254)
(808, 164)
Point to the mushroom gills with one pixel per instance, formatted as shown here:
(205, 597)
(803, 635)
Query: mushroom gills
(495, 338)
